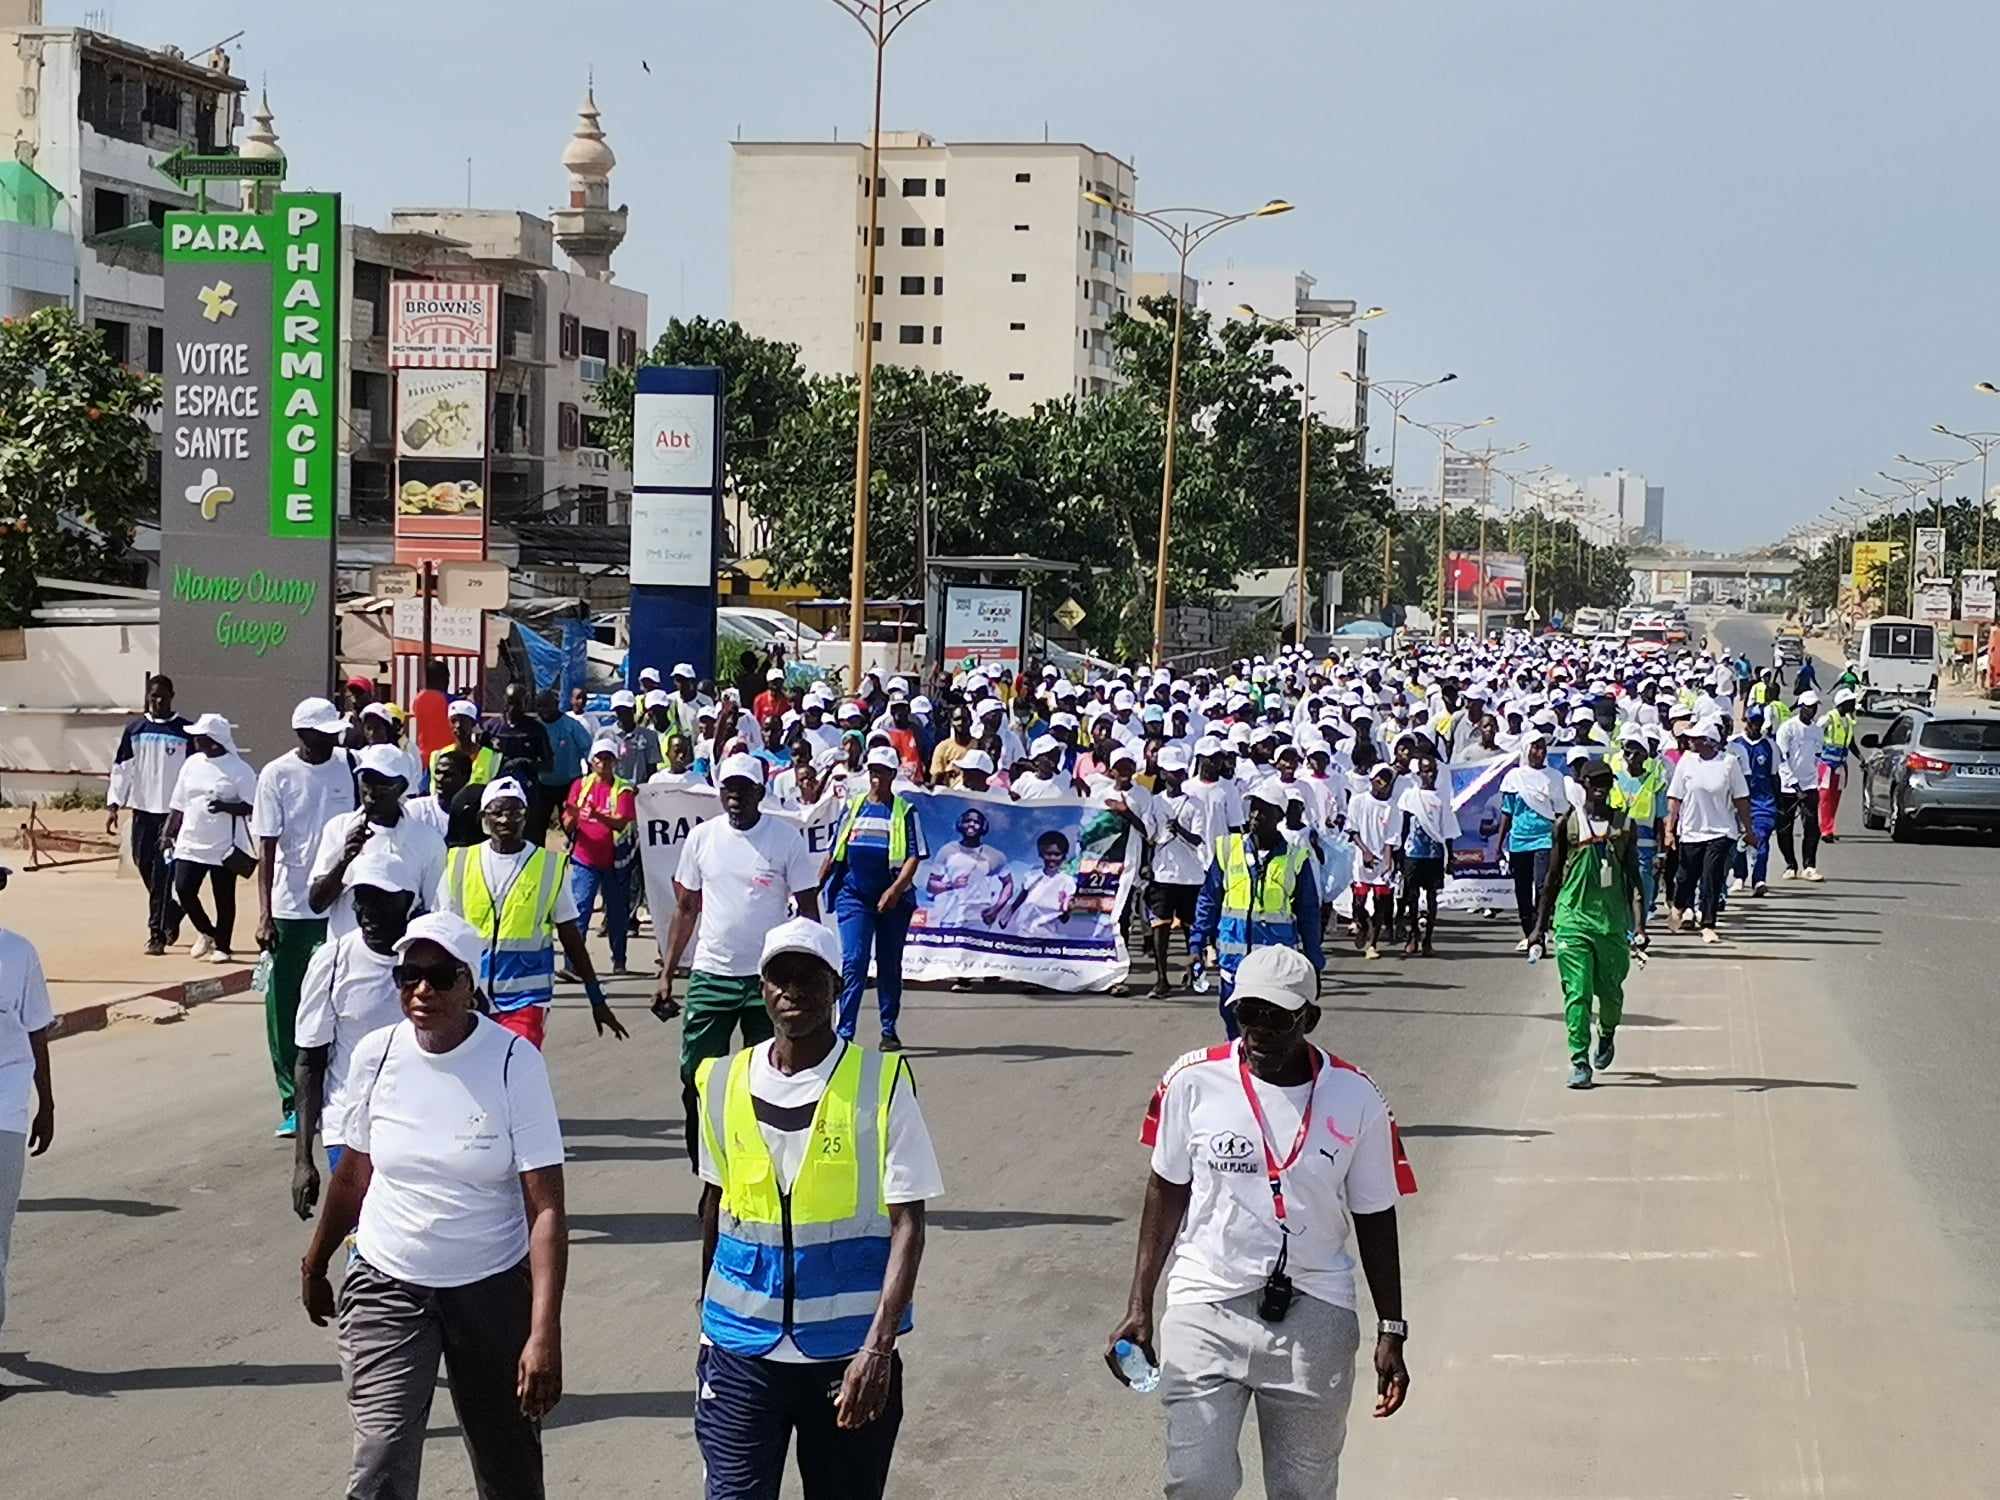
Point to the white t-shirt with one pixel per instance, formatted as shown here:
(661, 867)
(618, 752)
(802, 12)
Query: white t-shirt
(1798, 754)
(24, 1008)
(910, 1173)
(1221, 804)
(427, 811)
(294, 802)
(207, 837)
(1044, 899)
(1032, 786)
(449, 1135)
(1203, 1133)
(972, 877)
(746, 879)
(1708, 791)
(408, 856)
(347, 993)
(1376, 826)
(1175, 860)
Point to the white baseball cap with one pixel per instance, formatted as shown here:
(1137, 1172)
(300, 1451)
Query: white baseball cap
(1173, 758)
(885, 757)
(505, 787)
(1126, 753)
(462, 708)
(802, 935)
(1045, 744)
(976, 760)
(745, 767)
(1270, 791)
(383, 760)
(214, 727)
(684, 669)
(1806, 699)
(319, 714)
(623, 699)
(649, 674)
(604, 744)
(450, 932)
(657, 699)
(774, 675)
(1276, 975)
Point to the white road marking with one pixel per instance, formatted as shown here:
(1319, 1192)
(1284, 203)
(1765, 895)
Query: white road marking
(1617, 1119)
(1540, 1360)
(1647, 1068)
(1563, 1179)
(1675, 1026)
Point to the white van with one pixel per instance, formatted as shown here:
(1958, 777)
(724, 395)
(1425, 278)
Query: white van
(1898, 659)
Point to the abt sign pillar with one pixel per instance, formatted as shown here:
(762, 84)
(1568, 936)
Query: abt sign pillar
(676, 517)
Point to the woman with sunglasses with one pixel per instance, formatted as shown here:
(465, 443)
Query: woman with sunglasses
(450, 1129)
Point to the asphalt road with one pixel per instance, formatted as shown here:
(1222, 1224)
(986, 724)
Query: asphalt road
(1756, 1262)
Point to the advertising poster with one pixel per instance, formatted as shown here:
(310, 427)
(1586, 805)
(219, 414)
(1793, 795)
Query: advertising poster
(250, 395)
(1933, 600)
(673, 540)
(1022, 892)
(440, 414)
(1930, 552)
(1504, 585)
(1872, 561)
(1476, 871)
(983, 628)
(1975, 594)
(444, 325)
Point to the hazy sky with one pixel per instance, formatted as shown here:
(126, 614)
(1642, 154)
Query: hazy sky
(1743, 246)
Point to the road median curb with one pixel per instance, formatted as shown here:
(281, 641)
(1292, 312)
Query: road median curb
(158, 1004)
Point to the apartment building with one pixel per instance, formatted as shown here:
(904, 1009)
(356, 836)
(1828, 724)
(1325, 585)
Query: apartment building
(1339, 360)
(561, 331)
(90, 114)
(990, 263)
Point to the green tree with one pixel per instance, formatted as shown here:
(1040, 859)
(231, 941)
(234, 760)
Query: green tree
(763, 384)
(73, 450)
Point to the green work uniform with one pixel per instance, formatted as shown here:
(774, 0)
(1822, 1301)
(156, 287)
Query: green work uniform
(290, 953)
(1592, 918)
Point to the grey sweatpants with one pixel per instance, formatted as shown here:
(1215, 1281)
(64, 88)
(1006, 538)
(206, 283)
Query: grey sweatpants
(13, 1162)
(391, 1337)
(1216, 1356)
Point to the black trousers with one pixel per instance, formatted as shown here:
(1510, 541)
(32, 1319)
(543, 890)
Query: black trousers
(1704, 866)
(1530, 869)
(220, 928)
(1800, 804)
(163, 916)
(747, 1411)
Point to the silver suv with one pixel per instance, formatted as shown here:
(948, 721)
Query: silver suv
(1931, 769)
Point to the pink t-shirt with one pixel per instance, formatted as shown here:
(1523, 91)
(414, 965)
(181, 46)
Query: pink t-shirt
(592, 841)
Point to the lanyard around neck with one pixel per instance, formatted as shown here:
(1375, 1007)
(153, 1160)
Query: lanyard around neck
(1272, 1165)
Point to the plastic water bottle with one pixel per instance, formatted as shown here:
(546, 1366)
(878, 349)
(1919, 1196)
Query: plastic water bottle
(1199, 979)
(1534, 953)
(1140, 1373)
(260, 977)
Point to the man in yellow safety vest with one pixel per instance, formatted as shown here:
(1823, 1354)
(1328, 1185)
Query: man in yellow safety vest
(816, 1163)
(1259, 892)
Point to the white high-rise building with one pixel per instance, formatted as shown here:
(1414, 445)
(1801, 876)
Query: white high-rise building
(1339, 361)
(1618, 499)
(989, 262)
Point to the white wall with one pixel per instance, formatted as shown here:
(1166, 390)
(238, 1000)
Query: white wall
(37, 268)
(63, 709)
(794, 250)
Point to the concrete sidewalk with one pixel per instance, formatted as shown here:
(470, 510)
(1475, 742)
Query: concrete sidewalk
(88, 923)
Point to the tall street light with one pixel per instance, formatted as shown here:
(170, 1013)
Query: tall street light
(1939, 469)
(1484, 461)
(1187, 230)
(879, 20)
(1914, 493)
(1396, 393)
(1447, 434)
(1533, 479)
(1308, 336)
(1983, 444)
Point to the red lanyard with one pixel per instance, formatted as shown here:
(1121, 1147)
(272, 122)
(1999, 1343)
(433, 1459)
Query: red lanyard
(1271, 1163)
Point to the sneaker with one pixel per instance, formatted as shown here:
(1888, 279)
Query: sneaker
(1675, 918)
(891, 1042)
(1522, 946)
(1762, 888)
(1710, 936)
(155, 948)
(1606, 1050)
(1160, 990)
(619, 971)
(288, 1128)
(1812, 874)
(1373, 951)
(1739, 885)
(1790, 874)
(963, 985)
(565, 976)
(222, 956)
(1579, 1076)
(203, 946)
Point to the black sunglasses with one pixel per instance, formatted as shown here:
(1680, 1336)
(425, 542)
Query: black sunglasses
(1264, 1016)
(440, 976)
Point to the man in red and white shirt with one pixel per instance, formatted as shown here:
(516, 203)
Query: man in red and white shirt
(1261, 1149)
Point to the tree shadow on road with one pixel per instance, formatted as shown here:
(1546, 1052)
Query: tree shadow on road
(1643, 1079)
(1018, 1052)
(976, 1219)
(1456, 1132)
(633, 1229)
(575, 1155)
(124, 1208)
(580, 1407)
(622, 1126)
(53, 1377)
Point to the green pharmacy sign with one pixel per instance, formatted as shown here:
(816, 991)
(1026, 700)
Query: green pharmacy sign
(249, 460)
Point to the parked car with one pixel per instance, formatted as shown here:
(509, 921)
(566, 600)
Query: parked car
(1932, 769)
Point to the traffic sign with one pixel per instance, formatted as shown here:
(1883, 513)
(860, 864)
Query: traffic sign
(1070, 614)
(183, 166)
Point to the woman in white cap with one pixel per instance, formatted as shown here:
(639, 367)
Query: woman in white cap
(208, 825)
(1045, 783)
(451, 1132)
(1708, 810)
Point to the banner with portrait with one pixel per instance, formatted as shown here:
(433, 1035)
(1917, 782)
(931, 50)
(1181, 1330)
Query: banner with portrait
(1021, 892)
(1477, 872)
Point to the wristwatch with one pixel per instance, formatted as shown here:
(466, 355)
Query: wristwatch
(1393, 1328)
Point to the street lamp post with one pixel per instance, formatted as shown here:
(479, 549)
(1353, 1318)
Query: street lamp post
(879, 20)
(1485, 460)
(1447, 434)
(1308, 336)
(1983, 444)
(1938, 469)
(1397, 393)
(1186, 229)
(1913, 492)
